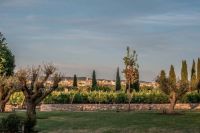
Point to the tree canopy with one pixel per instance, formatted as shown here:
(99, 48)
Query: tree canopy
(7, 59)
(131, 70)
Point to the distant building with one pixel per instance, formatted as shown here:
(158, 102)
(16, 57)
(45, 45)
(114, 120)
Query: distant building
(84, 81)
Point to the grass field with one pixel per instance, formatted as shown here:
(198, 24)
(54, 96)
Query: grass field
(117, 122)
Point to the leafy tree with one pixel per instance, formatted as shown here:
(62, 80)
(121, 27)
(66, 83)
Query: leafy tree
(118, 81)
(94, 80)
(184, 72)
(198, 75)
(75, 81)
(7, 60)
(34, 85)
(172, 88)
(131, 71)
(8, 86)
(193, 82)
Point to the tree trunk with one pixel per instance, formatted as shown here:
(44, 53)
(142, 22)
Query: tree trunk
(31, 116)
(2, 107)
(129, 99)
(126, 89)
(172, 103)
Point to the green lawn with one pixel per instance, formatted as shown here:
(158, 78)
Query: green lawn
(114, 122)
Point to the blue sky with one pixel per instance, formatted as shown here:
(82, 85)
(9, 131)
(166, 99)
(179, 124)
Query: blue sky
(81, 35)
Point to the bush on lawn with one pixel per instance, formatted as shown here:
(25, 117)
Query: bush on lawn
(11, 124)
(191, 97)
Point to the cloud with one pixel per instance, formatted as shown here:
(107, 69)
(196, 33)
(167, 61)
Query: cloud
(166, 19)
(19, 3)
(94, 35)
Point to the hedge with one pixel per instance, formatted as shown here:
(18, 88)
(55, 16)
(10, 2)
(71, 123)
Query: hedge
(77, 97)
(105, 97)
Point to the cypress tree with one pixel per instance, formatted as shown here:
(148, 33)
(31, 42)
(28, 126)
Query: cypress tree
(162, 75)
(184, 72)
(163, 81)
(198, 75)
(198, 69)
(118, 81)
(193, 76)
(75, 81)
(172, 76)
(94, 80)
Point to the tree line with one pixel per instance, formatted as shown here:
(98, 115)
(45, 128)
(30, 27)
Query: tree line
(32, 81)
(130, 72)
(176, 88)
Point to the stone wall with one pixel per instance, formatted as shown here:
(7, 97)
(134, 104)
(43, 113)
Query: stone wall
(115, 107)
(9, 108)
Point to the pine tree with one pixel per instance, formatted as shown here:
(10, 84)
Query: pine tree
(75, 81)
(193, 82)
(94, 80)
(118, 81)
(184, 72)
(198, 75)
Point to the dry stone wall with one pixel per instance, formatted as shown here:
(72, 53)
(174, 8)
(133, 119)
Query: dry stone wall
(114, 107)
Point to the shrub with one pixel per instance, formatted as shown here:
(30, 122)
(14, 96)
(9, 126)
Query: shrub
(149, 97)
(102, 88)
(78, 98)
(12, 123)
(93, 97)
(121, 98)
(106, 97)
(191, 97)
(61, 98)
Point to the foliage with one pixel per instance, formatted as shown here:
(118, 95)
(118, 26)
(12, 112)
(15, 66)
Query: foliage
(105, 97)
(191, 97)
(118, 81)
(102, 88)
(7, 59)
(94, 80)
(184, 72)
(75, 81)
(173, 89)
(7, 86)
(149, 97)
(12, 123)
(17, 98)
(144, 96)
(193, 82)
(131, 71)
(198, 75)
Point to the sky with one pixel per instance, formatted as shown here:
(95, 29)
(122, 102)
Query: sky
(80, 36)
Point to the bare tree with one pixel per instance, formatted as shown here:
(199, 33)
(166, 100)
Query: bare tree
(35, 87)
(8, 85)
